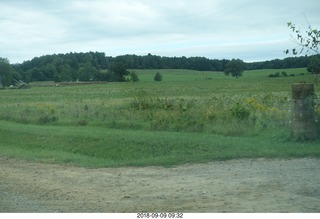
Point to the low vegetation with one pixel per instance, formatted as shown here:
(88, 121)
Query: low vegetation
(190, 116)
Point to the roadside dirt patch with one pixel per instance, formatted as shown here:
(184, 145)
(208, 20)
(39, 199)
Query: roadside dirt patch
(259, 185)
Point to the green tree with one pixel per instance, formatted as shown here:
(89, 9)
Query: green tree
(66, 73)
(36, 74)
(88, 72)
(314, 65)
(117, 72)
(6, 72)
(134, 76)
(158, 77)
(49, 71)
(235, 68)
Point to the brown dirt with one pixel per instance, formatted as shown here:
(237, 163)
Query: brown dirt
(260, 185)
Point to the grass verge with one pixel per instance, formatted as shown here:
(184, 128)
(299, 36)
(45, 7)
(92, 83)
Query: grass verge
(93, 147)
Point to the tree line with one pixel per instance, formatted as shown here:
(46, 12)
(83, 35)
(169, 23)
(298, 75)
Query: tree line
(96, 66)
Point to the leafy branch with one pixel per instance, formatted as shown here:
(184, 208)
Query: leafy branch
(308, 40)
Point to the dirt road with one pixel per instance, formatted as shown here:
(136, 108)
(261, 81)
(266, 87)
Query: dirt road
(260, 185)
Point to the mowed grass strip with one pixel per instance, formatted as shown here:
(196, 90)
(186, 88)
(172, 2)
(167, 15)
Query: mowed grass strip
(104, 147)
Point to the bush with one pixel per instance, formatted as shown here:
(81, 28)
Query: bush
(158, 77)
(240, 112)
(82, 122)
(134, 76)
(44, 119)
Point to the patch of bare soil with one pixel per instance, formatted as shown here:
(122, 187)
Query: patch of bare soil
(259, 185)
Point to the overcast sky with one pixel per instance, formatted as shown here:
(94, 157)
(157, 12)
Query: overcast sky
(251, 30)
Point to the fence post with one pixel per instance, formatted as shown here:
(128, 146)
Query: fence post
(303, 115)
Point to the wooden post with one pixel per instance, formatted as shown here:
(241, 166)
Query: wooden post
(303, 115)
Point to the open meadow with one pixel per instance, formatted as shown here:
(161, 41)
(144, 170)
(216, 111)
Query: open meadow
(190, 116)
(105, 147)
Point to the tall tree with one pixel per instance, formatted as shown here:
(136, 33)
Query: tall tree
(49, 71)
(235, 68)
(88, 72)
(314, 65)
(6, 72)
(117, 72)
(66, 72)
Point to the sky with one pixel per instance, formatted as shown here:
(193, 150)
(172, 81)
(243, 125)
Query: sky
(251, 30)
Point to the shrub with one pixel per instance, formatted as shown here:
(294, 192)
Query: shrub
(44, 119)
(158, 77)
(82, 122)
(134, 76)
(240, 112)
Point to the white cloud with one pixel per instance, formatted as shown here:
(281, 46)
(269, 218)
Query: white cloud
(24, 31)
(247, 29)
(114, 17)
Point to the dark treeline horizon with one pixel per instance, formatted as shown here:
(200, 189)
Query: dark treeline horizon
(69, 66)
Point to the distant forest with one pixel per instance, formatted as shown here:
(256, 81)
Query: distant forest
(88, 66)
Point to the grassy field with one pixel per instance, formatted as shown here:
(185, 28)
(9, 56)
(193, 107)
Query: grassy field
(190, 116)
